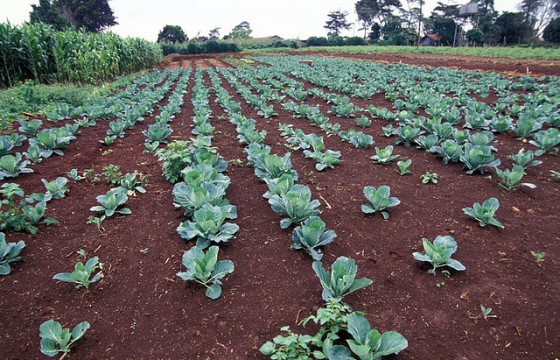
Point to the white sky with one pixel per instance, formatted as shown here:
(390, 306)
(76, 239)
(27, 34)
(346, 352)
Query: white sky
(286, 18)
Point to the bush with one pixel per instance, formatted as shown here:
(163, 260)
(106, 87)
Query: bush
(192, 47)
(355, 41)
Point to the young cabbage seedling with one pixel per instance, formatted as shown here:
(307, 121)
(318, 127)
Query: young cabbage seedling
(55, 339)
(110, 202)
(9, 253)
(511, 177)
(429, 177)
(439, 253)
(485, 213)
(312, 234)
(486, 312)
(204, 268)
(379, 200)
(341, 281)
(56, 188)
(83, 275)
(539, 256)
(383, 156)
(403, 167)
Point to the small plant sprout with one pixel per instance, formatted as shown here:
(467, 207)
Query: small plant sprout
(485, 213)
(539, 256)
(383, 156)
(110, 202)
(73, 174)
(403, 167)
(439, 254)
(132, 182)
(56, 188)
(205, 269)
(555, 175)
(55, 339)
(486, 312)
(83, 275)
(9, 252)
(429, 177)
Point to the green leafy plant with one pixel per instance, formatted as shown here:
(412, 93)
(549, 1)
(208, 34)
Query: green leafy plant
(539, 256)
(477, 157)
(555, 175)
(406, 135)
(327, 159)
(112, 174)
(83, 274)
(290, 346)
(511, 178)
(389, 130)
(439, 253)
(363, 122)
(175, 157)
(403, 167)
(311, 235)
(367, 343)
(132, 182)
(273, 166)
(296, 204)
(208, 225)
(384, 156)
(110, 202)
(546, 141)
(52, 141)
(486, 312)
(9, 253)
(341, 281)
(56, 188)
(12, 166)
(449, 150)
(379, 200)
(525, 158)
(205, 269)
(108, 140)
(55, 339)
(429, 177)
(30, 127)
(73, 174)
(485, 213)
(280, 186)
(158, 132)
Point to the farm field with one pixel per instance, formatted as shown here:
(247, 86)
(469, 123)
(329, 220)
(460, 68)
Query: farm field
(142, 309)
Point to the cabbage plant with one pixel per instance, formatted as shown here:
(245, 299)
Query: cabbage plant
(110, 202)
(56, 189)
(131, 182)
(511, 178)
(311, 235)
(524, 158)
(12, 166)
(379, 200)
(384, 156)
(546, 141)
(205, 269)
(158, 132)
(6, 145)
(55, 339)
(449, 150)
(279, 186)
(485, 213)
(296, 204)
(341, 280)
(193, 197)
(439, 253)
(9, 253)
(208, 225)
(273, 166)
(477, 157)
(367, 343)
(52, 141)
(83, 274)
(30, 127)
(406, 135)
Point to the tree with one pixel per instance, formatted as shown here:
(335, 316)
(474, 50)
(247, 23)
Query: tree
(514, 29)
(551, 32)
(445, 27)
(367, 10)
(172, 34)
(486, 7)
(538, 13)
(91, 15)
(240, 31)
(336, 22)
(214, 34)
(444, 11)
(475, 36)
(46, 13)
(492, 32)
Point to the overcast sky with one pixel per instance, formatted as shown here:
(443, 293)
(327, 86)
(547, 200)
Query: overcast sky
(286, 18)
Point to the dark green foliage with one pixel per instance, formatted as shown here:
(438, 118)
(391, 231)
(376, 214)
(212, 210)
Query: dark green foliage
(552, 31)
(475, 36)
(445, 27)
(336, 22)
(208, 47)
(91, 15)
(172, 34)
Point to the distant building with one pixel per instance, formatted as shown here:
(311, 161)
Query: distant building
(430, 40)
(269, 38)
